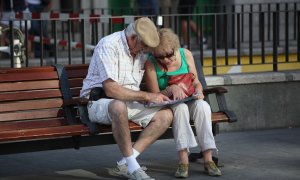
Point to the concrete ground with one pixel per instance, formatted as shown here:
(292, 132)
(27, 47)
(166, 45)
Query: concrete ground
(269, 154)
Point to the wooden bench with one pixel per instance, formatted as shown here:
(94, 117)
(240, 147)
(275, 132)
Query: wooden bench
(32, 113)
(73, 79)
(40, 109)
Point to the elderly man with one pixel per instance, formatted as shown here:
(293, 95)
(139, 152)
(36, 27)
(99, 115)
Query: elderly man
(117, 66)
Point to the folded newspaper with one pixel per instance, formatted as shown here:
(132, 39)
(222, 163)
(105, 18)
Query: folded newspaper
(165, 103)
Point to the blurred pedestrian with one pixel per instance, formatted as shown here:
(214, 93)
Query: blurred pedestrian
(38, 6)
(148, 7)
(187, 7)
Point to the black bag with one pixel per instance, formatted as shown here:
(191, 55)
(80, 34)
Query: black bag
(46, 2)
(97, 93)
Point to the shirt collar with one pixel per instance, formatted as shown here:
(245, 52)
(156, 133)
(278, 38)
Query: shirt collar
(124, 41)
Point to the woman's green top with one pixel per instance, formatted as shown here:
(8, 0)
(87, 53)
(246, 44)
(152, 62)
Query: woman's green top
(162, 76)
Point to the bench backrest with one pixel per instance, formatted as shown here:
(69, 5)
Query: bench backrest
(30, 98)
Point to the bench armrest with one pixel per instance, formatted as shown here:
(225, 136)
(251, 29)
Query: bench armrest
(215, 90)
(81, 104)
(221, 101)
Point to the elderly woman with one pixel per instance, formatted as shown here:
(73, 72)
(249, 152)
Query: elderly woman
(169, 59)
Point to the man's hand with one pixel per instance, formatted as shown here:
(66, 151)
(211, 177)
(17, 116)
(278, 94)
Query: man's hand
(157, 98)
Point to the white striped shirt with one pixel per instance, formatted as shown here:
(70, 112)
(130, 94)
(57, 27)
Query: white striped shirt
(112, 59)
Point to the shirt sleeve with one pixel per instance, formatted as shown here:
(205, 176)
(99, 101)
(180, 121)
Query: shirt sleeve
(107, 63)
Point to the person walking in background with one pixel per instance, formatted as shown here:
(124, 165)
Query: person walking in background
(148, 7)
(167, 8)
(186, 7)
(169, 59)
(117, 65)
(38, 6)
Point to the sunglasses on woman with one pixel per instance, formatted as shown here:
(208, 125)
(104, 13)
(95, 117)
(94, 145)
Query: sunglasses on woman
(168, 55)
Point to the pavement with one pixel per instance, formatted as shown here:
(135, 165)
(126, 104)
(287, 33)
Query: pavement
(261, 154)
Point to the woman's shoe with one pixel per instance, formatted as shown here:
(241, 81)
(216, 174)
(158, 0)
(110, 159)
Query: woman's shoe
(182, 171)
(211, 169)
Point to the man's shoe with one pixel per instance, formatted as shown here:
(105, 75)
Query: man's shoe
(211, 169)
(120, 170)
(139, 174)
(182, 171)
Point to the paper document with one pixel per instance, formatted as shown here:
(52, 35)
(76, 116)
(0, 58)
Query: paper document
(165, 103)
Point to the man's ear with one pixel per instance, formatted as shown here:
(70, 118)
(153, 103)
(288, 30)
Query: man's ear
(133, 37)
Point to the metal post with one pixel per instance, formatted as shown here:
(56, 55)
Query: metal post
(286, 33)
(298, 40)
(275, 44)
(214, 45)
(226, 38)
(250, 35)
(26, 44)
(262, 36)
(83, 50)
(41, 43)
(69, 42)
(201, 40)
(238, 43)
(55, 41)
(11, 42)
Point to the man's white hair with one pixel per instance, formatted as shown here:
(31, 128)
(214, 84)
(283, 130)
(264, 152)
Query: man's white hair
(130, 31)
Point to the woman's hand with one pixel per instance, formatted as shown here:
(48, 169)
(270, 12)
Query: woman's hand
(177, 92)
(198, 95)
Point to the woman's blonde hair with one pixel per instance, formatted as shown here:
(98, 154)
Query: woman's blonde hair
(168, 40)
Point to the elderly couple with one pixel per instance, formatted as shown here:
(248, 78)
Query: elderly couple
(118, 65)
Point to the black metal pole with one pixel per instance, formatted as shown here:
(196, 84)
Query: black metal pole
(298, 40)
(83, 51)
(41, 43)
(69, 43)
(262, 37)
(250, 35)
(286, 33)
(239, 38)
(275, 44)
(55, 41)
(214, 45)
(11, 42)
(226, 38)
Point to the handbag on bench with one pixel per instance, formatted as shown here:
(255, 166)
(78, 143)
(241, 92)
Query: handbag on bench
(184, 81)
(97, 93)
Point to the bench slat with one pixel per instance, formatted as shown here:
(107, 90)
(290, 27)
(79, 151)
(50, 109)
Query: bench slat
(30, 85)
(219, 117)
(28, 95)
(19, 125)
(43, 133)
(32, 104)
(76, 82)
(28, 69)
(29, 115)
(15, 77)
(76, 73)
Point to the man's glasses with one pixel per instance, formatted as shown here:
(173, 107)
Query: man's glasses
(168, 55)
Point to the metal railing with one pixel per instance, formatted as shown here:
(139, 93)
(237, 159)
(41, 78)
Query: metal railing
(231, 30)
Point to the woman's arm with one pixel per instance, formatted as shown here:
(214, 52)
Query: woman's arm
(192, 68)
(151, 80)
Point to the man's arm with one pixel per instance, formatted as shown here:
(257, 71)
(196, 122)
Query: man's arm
(114, 90)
